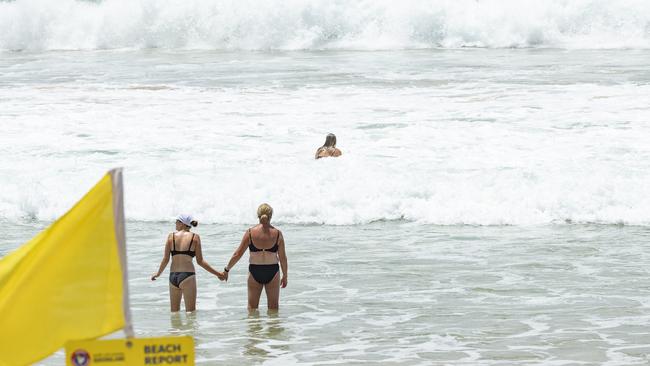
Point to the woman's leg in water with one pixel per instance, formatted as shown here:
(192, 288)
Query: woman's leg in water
(272, 290)
(175, 295)
(188, 287)
(254, 293)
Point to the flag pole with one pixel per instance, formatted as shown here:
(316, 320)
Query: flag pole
(120, 235)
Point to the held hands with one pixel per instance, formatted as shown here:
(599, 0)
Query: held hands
(223, 276)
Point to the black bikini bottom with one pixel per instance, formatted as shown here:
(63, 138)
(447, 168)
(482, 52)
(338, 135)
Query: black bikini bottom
(175, 278)
(263, 273)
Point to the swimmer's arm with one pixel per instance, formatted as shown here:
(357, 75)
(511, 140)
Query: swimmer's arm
(320, 149)
(282, 254)
(239, 252)
(165, 259)
(201, 262)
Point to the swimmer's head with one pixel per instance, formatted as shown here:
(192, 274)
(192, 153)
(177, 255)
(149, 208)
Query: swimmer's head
(185, 222)
(264, 213)
(330, 140)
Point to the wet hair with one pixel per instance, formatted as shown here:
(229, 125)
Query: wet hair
(264, 213)
(330, 140)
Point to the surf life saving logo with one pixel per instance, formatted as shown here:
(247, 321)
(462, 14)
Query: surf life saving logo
(80, 358)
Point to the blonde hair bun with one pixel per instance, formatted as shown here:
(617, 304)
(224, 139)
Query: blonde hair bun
(264, 212)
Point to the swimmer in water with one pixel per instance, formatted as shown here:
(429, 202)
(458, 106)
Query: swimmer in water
(329, 148)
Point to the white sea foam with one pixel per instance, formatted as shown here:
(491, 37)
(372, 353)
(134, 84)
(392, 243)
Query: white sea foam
(322, 24)
(473, 173)
(451, 137)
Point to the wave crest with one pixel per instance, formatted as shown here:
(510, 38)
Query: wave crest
(322, 24)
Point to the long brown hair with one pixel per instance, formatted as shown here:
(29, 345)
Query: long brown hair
(330, 140)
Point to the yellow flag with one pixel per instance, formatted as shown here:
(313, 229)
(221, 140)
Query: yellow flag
(68, 282)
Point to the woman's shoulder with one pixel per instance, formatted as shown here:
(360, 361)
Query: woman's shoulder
(250, 229)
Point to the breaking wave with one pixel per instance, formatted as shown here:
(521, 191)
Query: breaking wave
(322, 24)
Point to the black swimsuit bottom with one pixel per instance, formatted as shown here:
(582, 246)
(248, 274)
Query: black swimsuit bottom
(263, 273)
(175, 278)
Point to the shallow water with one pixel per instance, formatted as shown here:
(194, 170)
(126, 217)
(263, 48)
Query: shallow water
(402, 293)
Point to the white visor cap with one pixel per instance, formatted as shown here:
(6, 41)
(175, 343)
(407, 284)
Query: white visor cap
(185, 219)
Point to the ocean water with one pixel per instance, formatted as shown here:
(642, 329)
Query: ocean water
(399, 293)
(480, 136)
(490, 207)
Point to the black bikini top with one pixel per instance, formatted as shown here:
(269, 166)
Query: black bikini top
(189, 252)
(253, 248)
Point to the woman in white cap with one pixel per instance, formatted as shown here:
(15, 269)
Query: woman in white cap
(182, 246)
(266, 246)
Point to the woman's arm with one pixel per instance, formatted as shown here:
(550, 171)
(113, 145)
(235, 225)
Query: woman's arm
(165, 259)
(202, 262)
(282, 254)
(239, 252)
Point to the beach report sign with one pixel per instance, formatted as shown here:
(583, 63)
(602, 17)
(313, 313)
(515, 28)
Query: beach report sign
(133, 351)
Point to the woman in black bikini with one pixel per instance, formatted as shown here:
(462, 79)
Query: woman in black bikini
(266, 246)
(182, 246)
